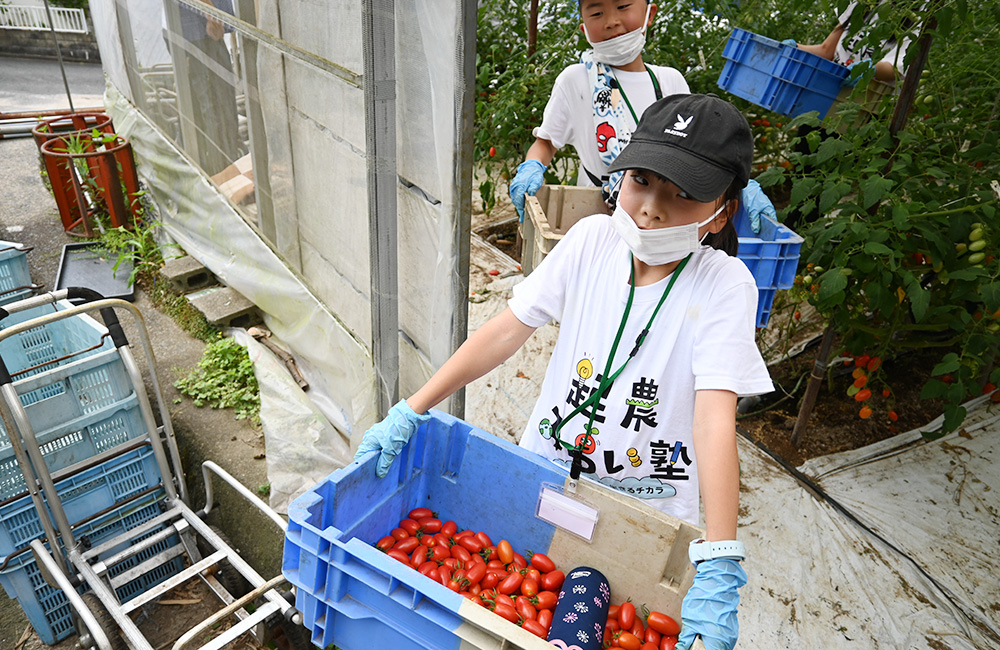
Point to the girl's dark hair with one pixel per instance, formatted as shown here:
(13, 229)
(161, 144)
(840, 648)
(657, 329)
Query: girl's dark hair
(727, 240)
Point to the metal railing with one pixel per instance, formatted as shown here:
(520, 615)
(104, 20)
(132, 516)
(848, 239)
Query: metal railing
(34, 18)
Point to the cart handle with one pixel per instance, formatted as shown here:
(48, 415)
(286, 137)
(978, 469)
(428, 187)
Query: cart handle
(111, 321)
(239, 487)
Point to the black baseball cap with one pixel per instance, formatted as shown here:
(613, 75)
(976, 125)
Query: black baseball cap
(700, 143)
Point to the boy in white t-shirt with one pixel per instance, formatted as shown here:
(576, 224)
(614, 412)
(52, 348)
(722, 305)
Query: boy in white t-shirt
(656, 342)
(597, 103)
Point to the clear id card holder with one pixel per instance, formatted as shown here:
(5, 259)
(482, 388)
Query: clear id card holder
(560, 506)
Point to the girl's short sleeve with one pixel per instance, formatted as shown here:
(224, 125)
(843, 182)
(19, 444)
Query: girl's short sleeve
(726, 356)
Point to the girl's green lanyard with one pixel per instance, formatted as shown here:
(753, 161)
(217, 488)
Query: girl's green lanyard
(607, 379)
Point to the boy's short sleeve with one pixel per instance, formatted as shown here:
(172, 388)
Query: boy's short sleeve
(560, 111)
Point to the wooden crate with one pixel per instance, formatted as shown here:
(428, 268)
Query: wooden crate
(549, 214)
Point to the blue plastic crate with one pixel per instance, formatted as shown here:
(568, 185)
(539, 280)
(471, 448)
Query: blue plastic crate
(75, 390)
(772, 255)
(82, 495)
(780, 78)
(15, 279)
(357, 597)
(48, 610)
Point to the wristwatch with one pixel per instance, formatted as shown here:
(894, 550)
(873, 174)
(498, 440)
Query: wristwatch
(700, 550)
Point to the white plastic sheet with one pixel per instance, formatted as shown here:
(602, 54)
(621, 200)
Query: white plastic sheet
(924, 577)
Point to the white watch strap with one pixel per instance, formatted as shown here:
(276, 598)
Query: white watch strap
(700, 550)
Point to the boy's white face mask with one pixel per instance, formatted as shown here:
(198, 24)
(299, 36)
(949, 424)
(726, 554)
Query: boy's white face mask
(620, 50)
(658, 246)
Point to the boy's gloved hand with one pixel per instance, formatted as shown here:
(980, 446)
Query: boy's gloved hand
(851, 80)
(756, 204)
(390, 435)
(709, 608)
(529, 177)
(790, 42)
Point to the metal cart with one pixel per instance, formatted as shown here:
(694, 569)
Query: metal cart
(111, 562)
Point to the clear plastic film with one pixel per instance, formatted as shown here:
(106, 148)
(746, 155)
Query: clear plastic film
(249, 125)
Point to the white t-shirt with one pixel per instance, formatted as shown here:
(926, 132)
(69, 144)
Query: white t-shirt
(702, 338)
(849, 46)
(569, 113)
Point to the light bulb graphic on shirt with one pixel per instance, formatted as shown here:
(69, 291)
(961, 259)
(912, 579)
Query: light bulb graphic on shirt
(585, 369)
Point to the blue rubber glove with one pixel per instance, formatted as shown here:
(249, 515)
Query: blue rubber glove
(864, 63)
(709, 608)
(790, 42)
(390, 435)
(529, 177)
(756, 203)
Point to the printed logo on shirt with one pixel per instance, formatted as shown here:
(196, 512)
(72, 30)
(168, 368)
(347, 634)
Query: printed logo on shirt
(680, 126)
(667, 461)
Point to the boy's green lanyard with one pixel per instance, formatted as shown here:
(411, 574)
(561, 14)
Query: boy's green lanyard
(656, 91)
(607, 379)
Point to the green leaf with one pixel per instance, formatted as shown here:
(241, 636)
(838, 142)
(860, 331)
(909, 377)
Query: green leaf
(874, 189)
(948, 364)
(933, 389)
(831, 148)
(803, 189)
(830, 283)
(874, 248)
(920, 300)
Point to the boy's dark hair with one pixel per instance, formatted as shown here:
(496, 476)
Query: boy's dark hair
(726, 240)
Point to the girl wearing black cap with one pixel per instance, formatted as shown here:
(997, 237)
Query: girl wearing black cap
(656, 342)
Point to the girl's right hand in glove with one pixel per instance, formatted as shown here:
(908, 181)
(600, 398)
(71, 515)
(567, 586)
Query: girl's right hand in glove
(389, 435)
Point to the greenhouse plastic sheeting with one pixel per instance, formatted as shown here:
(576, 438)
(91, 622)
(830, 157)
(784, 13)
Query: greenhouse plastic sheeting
(910, 561)
(199, 218)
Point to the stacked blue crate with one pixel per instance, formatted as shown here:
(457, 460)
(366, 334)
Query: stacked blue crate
(15, 279)
(80, 402)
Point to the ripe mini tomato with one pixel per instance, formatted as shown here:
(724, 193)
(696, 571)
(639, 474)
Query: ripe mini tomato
(663, 624)
(420, 513)
(484, 539)
(430, 524)
(440, 553)
(552, 580)
(505, 552)
(629, 641)
(535, 628)
(648, 646)
(533, 574)
(613, 612)
(524, 608)
(449, 528)
(493, 151)
(652, 636)
(471, 543)
(490, 580)
(865, 412)
(546, 599)
(862, 395)
(668, 642)
(545, 618)
(410, 526)
(386, 543)
(461, 554)
(529, 587)
(397, 554)
(511, 583)
(407, 544)
(638, 629)
(475, 573)
(519, 561)
(399, 533)
(626, 615)
(542, 562)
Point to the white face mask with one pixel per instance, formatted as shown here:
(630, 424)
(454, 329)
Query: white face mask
(620, 50)
(658, 246)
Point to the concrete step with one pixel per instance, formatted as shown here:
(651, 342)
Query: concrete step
(225, 307)
(187, 274)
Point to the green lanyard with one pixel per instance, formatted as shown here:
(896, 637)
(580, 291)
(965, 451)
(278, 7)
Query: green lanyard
(656, 91)
(607, 379)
